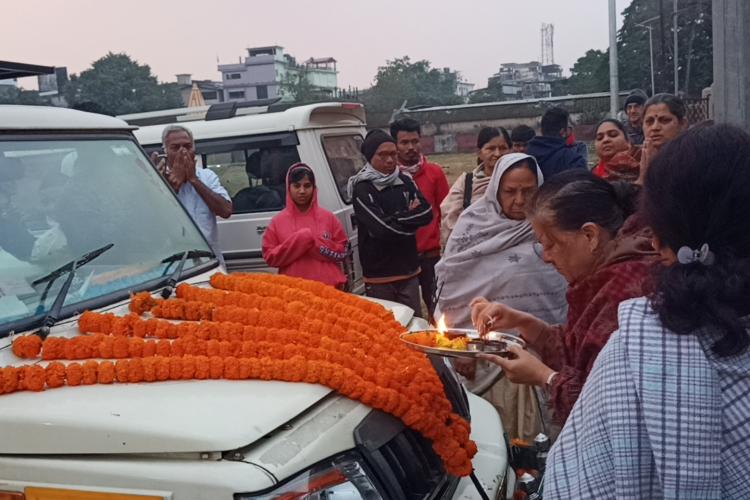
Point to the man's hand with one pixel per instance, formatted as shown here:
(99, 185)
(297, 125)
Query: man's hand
(524, 368)
(159, 163)
(414, 204)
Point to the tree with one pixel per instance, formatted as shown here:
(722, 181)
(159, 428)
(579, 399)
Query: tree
(695, 51)
(416, 83)
(13, 95)
(590, 73)
(297, 85)
(116, 84)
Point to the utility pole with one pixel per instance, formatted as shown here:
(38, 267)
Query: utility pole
(731, 39)
(675, 49)
(614, 91)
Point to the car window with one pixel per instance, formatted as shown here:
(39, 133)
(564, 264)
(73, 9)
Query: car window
(344, 158)
(254, 177)
(57, 203)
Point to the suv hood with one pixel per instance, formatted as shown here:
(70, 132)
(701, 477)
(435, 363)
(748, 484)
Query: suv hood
(163, 417)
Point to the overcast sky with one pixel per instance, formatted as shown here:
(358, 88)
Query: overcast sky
(187, 36)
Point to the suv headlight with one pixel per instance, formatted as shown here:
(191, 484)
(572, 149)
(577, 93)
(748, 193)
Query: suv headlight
(341, 477)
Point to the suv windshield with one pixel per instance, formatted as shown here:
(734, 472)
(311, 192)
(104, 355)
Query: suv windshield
(61, 198)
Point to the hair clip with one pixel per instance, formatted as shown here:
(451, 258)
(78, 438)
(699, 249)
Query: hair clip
(686, 255)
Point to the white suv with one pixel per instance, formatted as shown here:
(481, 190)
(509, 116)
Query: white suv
(72, 183)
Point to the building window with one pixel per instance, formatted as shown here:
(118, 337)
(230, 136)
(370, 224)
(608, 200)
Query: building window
(210, 95)
(237, 94)
(233, 76)
(262, 91)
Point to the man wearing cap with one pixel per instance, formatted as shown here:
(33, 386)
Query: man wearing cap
(389, 208)
(633, 108)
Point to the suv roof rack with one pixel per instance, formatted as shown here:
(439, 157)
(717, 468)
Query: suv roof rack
(219, 111)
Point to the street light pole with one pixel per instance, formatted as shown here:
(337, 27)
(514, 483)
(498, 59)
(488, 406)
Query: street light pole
(651, 52)
(646, 24)
(614, 91)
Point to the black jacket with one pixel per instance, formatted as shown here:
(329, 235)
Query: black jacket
(386, 227)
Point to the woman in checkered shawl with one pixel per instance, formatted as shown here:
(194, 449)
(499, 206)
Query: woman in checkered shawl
(665, 412)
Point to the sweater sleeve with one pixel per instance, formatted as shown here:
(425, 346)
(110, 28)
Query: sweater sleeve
(335, 248)
(416, 217)
(574, 367)
(373, 219)
(282, 253)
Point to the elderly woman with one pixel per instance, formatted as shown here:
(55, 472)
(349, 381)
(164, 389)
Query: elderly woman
(491, 253)
(618, 159)
(577, 218)
(664, 413)
(492, 144)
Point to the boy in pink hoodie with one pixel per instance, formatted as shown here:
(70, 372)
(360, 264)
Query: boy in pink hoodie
(305, 240)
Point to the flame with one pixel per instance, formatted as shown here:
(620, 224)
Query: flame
(441, 326)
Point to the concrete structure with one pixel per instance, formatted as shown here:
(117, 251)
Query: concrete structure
(526, 80)
(731, 38)
(265, 70)
(463, 89)
(454, 129)
(212, 92)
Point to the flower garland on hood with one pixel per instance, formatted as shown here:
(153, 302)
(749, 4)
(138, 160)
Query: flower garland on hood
(252, 326)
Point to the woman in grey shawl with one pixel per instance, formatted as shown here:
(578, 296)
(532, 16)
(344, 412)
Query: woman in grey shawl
(490, 254)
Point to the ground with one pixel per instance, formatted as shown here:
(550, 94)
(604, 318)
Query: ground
(454, 164)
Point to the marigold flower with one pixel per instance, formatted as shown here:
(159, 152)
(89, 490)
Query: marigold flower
(106, 372)
(90, 372)
(27, 346)
(74, 374)
(55, 373)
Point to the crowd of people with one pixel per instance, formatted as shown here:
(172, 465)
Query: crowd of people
(629, 282)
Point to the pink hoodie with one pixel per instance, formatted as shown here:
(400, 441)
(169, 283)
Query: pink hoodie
(306, 244)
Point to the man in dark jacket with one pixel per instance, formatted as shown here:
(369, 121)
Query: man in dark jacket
(389, 209)
(633, 108)
(551, 149)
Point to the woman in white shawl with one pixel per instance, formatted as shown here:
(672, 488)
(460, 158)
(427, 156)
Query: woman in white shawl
(490, 254)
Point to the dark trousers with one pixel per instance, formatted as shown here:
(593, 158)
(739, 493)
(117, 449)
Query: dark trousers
(404, 292)
(427, 283)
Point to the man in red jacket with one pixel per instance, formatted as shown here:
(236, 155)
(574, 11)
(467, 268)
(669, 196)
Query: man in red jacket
(433, 184)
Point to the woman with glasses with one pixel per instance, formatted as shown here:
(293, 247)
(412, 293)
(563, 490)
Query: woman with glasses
(491, 253)
(577, 218)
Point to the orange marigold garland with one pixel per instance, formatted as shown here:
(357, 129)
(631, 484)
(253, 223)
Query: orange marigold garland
(263, 327)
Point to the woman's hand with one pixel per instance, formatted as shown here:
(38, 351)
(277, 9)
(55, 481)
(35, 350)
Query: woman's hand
(487, 316)
(524, 368)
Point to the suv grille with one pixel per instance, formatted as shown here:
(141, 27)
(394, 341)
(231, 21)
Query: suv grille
(402, 461)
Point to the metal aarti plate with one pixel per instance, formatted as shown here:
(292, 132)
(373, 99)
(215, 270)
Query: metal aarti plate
(492, 343)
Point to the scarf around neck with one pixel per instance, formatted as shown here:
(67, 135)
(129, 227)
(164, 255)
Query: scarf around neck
(369, 174)
(413, 170)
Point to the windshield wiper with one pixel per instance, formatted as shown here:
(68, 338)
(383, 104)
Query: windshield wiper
(70, 268)
(175, 276)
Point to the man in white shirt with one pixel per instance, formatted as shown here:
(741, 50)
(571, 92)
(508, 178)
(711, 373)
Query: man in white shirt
(199, 190)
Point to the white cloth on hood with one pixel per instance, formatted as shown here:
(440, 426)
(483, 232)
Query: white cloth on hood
(491, 255)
